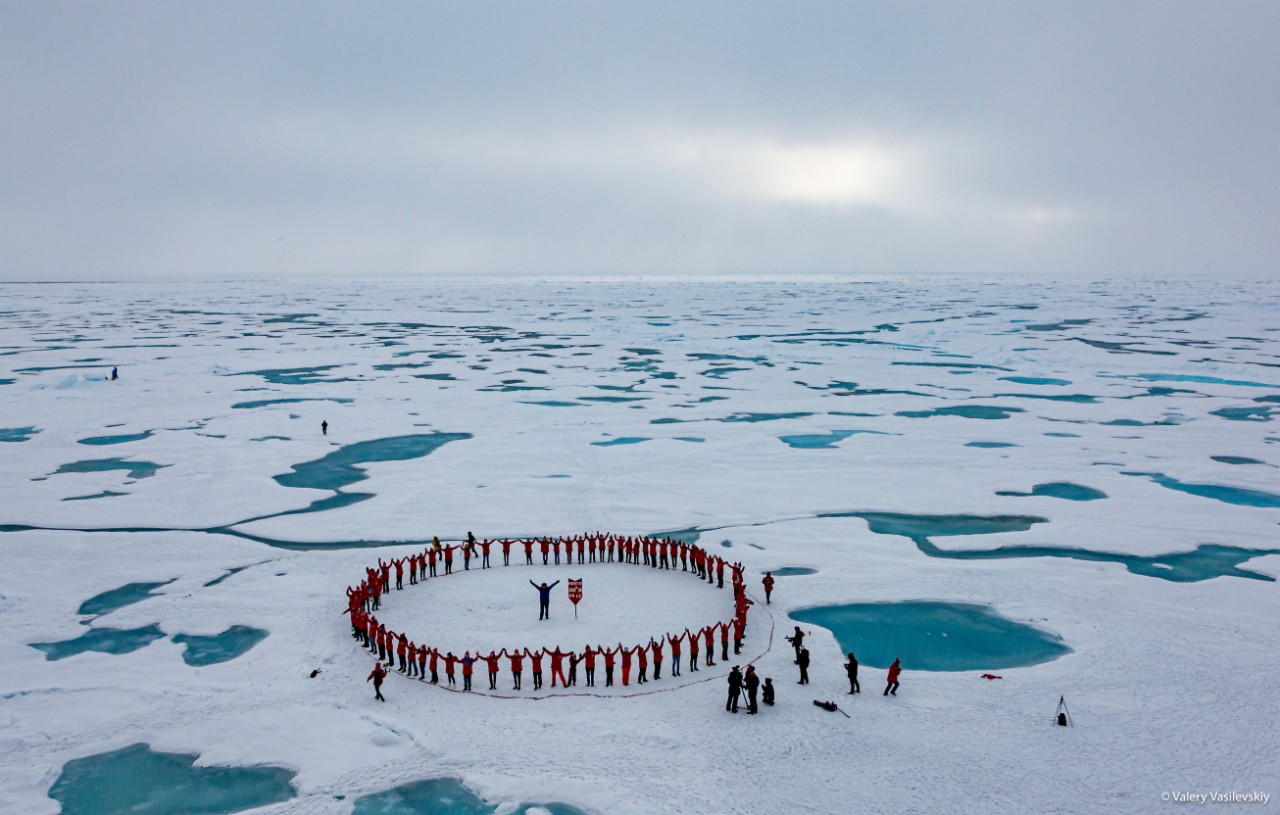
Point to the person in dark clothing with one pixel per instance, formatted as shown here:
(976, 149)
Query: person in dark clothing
(797, 642)
(115, 374)
(768, 692)
(544, 599)
(324, 428)
(752, 683)
(735, 690)
(894, 670)
(803, 661)
(377, 676)
(851, 668)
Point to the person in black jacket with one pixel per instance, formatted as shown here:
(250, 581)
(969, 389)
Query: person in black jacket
(802, 659)
(768, 691)
(735, 689)
(797, 642)
(752, 683)
(851, 668)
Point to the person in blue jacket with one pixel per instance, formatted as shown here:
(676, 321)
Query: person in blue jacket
(544, 598)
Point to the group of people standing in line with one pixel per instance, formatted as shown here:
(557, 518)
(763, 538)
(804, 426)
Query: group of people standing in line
(423, 662)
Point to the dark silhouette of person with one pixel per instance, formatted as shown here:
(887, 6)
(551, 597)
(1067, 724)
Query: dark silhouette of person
(544, 599)
(735, 690)
(767, 691)
(324, 427)
(803, 661)
(752, 683)
(894, 670)
(115, 374)
(377, 676)
(851, 668)
(797, 642)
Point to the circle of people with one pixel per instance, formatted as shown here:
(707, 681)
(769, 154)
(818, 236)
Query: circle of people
(423, 662)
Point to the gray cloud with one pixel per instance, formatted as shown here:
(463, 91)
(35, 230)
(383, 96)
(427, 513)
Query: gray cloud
(256, 139)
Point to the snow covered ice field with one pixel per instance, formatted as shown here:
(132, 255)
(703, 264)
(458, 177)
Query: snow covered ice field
(1095, 461)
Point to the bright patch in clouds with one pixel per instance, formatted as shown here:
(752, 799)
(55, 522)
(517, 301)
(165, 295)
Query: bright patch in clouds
(828, 174)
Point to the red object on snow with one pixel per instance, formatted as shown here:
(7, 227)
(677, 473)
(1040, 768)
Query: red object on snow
(991, 676)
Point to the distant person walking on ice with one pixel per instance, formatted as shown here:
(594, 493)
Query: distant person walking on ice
(377, 676)
(802, 659)
(115, 374)
(851, 668)
(894, 670)
(324, 428)
(768, 587)
(544, 599)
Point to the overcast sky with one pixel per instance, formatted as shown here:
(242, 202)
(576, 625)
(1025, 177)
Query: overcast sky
(226, 139)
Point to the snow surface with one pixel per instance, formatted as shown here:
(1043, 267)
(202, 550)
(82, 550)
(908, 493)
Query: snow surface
(1172, 685)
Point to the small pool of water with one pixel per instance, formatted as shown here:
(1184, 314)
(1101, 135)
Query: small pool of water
(137, 781)
(977, 366)
(1078, 398)
(791, 571)
(265, 402)
(932, 636)
(1245, 414)
(963, 411)
(763, 417)
(555, 403)
(104, 640)
(612, 399)
(622, 440)
(134, 469)
(1059, 489)
(1209, 380)
(295, 376)
(17, 434)
(124, 438)
(444, 796)
(224, 647)
(1035, 380)
(822, 441)
(114, 599)
(341, 467)
(1218, 492)
(1236, 460)
(990, 445)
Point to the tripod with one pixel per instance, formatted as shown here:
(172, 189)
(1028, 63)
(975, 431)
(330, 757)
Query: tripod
(1062, 715)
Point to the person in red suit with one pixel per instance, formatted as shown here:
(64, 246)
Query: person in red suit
(535, 657)
(894, 670)
(491, 662)
(517, 666)
(557, 666)
(589, 663)
(768, 587)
